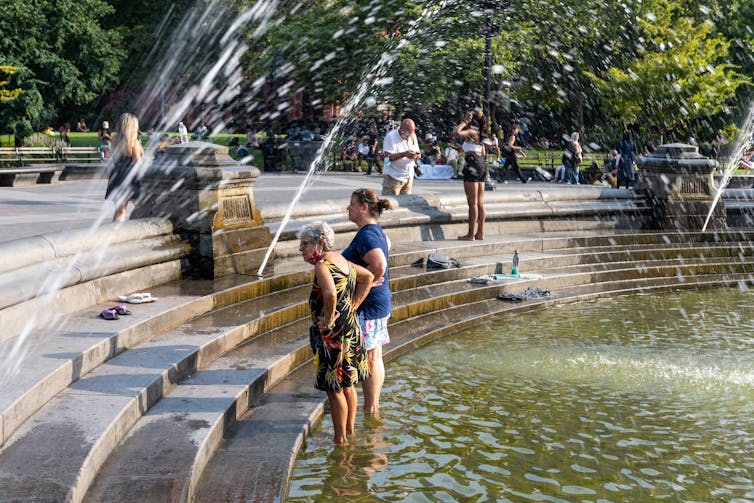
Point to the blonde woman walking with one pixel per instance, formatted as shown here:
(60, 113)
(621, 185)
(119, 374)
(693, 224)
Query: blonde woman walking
(123, 181)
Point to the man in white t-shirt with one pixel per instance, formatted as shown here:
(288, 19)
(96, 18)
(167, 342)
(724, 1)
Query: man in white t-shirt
(402, 148)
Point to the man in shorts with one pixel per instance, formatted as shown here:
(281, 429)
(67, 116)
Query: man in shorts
(402, 148)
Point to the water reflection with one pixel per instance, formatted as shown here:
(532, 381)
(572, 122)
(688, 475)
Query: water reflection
(346, 471)
(632, 399)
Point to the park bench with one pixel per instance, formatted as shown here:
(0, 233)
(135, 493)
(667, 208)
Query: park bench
(28, 166)
(31, 175)
(9, 157)
(82, 163)
(74, 155)
(21, 166)
(24, 156)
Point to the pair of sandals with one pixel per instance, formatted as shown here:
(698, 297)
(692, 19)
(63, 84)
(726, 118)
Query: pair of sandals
(114, 313)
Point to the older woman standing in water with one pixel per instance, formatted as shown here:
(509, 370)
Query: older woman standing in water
(123, 182)
(472, 130)
(370, 248)
(338, 290)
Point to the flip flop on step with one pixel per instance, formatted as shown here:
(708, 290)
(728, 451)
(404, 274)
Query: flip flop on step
(137, 298)
(109, 314)
(121, 310)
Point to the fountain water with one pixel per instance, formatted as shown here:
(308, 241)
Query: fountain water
(742, 144)
(318, 165)
(622, 399)
(46, 291)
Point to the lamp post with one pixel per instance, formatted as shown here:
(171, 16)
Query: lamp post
(489, 6)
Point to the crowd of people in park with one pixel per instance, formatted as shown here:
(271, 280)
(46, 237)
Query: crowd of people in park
(385, 149)
(477, 152)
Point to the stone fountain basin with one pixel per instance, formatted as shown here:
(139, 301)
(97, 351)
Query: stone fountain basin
(676, 158)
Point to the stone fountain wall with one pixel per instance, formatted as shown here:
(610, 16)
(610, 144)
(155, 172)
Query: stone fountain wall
(679, 187)
(209, 199)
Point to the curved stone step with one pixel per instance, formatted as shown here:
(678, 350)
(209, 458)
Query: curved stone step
(455, 292)
(39, 305)
(528, 210)
(100, 407)
(465, 295)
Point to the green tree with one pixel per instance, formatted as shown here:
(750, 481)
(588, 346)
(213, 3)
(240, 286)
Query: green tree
(421, 58)
(733, 20)
(17, 115)
(5, 93)
(153, 32)
(572, 64)
(65, 59)
(558, 44)
(680, 78)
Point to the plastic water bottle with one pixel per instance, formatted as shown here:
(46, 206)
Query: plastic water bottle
(183, 132)
(386, 162)
(514, 264)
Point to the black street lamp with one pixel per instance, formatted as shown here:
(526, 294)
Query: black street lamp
(489, 7)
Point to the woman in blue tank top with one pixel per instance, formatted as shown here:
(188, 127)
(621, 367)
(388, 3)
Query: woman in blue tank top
(370, 248)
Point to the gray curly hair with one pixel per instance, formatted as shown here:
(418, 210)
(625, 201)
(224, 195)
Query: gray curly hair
(316, 232)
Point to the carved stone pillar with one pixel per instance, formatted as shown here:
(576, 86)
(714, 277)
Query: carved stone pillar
(209, 199)
(678, 183)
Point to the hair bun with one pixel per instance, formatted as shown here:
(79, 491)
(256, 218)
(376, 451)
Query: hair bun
(385, 204)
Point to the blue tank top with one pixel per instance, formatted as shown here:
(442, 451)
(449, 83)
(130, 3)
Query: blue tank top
(378, 303)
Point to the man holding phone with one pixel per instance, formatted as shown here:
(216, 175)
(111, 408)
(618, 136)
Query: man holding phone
(402, 148)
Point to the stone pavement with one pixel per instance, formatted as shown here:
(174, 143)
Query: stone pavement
(41, 209)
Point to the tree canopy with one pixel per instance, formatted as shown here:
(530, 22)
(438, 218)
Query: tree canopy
(65, 59)
(670, 67)
(656, 65)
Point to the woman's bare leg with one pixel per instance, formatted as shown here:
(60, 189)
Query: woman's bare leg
(471, 198)
(351, 405)
(481, 212)
(372, 386)
(120, 213)
(339, 413)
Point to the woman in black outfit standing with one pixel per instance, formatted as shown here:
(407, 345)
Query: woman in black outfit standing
(510, 150)
(473, 130)
(123, 182)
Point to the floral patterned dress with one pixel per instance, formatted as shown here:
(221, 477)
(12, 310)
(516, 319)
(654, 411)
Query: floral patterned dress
(339, 356)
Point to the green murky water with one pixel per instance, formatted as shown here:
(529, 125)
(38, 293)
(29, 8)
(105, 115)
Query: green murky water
(631, 399)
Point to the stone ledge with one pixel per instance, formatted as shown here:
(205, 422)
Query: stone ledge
(418, 204)
(83, 171)
(26, 251)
